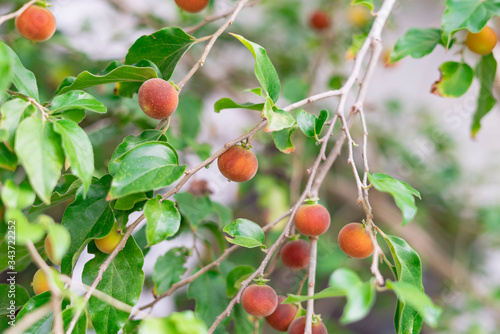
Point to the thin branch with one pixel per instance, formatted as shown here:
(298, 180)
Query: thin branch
(18, 12)
(55, 299)
(311, 284)
(31, 100)
(211, 43)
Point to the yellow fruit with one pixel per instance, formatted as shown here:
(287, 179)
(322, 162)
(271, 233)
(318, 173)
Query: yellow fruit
(358, 16)
(40, 282)
(50, 251)
(109, 242)
(483, 42)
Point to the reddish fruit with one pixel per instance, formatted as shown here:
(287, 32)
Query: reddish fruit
(312, 220)
(157, 98)
(298, 326)
(355, 241)
(192, 6)
(295, 254)
(238, 164)
(482, 42)
(259, 300)
(108, 243)
(283, 316)
(319, 20)
(36, 24)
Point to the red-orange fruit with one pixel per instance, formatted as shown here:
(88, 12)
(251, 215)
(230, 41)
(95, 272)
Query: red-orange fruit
(355, 241)
(298, 326)
(312, 220)
(238, 164)
(283, 316)
(158, 98)
(36, 24)
(319, 20)
(192, 6)
(259, 300)
(295, 254)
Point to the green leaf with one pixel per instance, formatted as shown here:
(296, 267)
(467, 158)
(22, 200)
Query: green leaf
(8, 160)
(307, 123)
(357, 42)
(78, 149)
(24, 230)
(5, 67)
(81, 324)
(189, 112)
(149, 166)
(408, 269)
(209, 290)
(60, 240)
(283, 140)
(44, 325)
(76, 99)
(23, 79)
(128, 202)
(14, 297)
(163, 220)
(245, 233)
(75, 115)
(62, 192)
(224, 213)
(345, 282)
(367, 3)
(176, 323)
(242, 321)
(164, 48)
(485, 72)
(227, 103)
(417, 299)
(17, 197)
(402, 192)
(96, 221)
(467, 14)
(123, 280)
(128, 89)
(38, 147)
(278, 119)
(235, 277)
(123, 73)
(416, 43)
(169, 268)
(22, 256)
(455, 80)
(264, 69)
(129, 143)
(194, 208)
(12, 113)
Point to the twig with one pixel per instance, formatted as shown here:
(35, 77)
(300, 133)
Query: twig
(18, 12)
(211, 43)
(55, 299)
(312, 283)
(210, 19)
(31, 100)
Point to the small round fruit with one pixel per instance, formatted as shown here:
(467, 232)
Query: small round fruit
(295, 254)
(36, 24)
(50, 251)
(355, 241)
(319, 20)
(283, 316)
(259, 300)
(482, 42)
(158, 98)
(358, 16)
(298, 326)
(108, 243)
(192, 6)
(40, 282)
(238, 164)
(312, 220)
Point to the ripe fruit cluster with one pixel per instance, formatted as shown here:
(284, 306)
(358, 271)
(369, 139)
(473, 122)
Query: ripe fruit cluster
(259, 300)
(283, 316)
(295, 254)
(36, 24)
(298, 326)
(238, 164)
(158, 98)
(355, 241)
(312, 220)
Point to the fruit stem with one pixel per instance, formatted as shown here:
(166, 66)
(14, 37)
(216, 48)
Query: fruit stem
(311, 200)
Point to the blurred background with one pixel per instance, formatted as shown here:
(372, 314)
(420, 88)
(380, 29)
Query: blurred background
(414, 136)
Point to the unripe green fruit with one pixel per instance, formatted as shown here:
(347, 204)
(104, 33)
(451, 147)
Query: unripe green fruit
(238, 164)
(158, 98)
(259, 300)
(355, 241)
(108, 243)
(283, 316)
(36, 24)
(298, 326)
(192, 6)
(482, 42)
(312, 220)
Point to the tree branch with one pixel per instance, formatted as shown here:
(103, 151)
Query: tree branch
(312, 283)
(18, 12)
